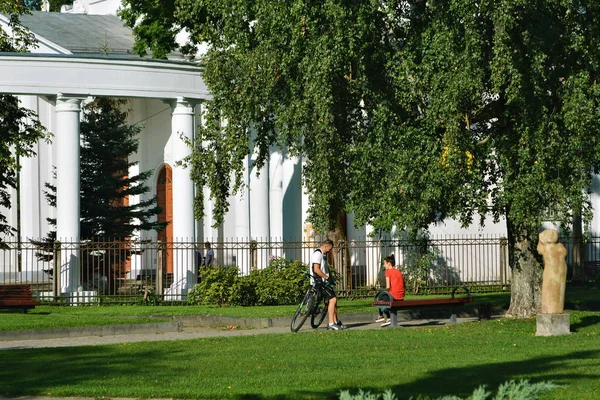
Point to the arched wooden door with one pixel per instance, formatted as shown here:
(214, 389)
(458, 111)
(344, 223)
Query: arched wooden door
(164, 197)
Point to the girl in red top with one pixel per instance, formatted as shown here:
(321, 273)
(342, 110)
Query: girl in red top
(394, 283)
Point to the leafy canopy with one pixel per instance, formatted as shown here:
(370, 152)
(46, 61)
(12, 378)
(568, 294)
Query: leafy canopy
(406, 112)
(288, 74)
(19, 127)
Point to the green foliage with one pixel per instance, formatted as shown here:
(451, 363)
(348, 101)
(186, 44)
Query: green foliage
(20, 39)
(522, 390)
(244, 289)
(362, 395)
(511, 390)
(460, 108)
(294, 74)
(150, 33)
(107, 143)
(281, 282)
(216, 286)
(148, 297)
(420, 264)
(20, 128)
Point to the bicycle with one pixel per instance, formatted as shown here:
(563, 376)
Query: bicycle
(314, 304)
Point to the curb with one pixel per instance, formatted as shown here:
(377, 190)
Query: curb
(106, 330)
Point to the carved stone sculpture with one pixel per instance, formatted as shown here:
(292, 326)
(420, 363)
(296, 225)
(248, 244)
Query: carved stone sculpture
(555, 272)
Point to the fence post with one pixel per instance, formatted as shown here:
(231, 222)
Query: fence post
(56, 286)
(159, 271)
(503, 260)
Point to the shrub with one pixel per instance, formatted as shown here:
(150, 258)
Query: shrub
(244, 289)
(216, 286)
(281, 282)
(511, 390)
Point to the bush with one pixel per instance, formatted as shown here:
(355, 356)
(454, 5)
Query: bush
(216, 286)
(244, 289)
(281, 282)
(511, 390)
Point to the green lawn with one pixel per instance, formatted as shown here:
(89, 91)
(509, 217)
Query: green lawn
(427, 360)
(63, 316)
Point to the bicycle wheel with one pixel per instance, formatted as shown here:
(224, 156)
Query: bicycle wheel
(319, 314)
(303, 311)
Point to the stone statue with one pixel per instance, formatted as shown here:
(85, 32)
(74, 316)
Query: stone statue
(555, 272)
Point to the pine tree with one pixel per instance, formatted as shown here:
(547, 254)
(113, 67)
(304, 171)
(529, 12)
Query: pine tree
(107, 143)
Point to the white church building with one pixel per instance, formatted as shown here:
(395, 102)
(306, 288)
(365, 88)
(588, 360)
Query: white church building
(86, 51)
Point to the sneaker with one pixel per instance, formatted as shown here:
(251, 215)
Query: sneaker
(380, 319)
(334, 327)
(340, 324)
(386, 323)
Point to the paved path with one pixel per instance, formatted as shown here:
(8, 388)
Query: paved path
(192, 333)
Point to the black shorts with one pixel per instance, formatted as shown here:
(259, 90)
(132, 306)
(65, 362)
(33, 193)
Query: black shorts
(327, 290)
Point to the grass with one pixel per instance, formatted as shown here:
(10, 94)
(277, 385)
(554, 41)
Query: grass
(429, 360)
(46, 316)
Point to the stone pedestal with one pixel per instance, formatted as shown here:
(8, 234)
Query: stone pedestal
(553, 324)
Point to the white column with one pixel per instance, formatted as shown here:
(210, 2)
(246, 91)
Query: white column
(182, 129)
(276, 194)
(31, 193)
(242, 220)
(259, 216)
(68, 110)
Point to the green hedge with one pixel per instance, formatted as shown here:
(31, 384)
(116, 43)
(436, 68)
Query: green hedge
(281, 282)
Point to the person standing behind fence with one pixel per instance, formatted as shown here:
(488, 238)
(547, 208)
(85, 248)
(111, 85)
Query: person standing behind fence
(394, 283)
(320, 275)
(199, 265)
(210, 255)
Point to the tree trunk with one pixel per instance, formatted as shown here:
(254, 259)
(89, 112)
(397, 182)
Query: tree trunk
(527, 271)
(341, 253)
(578, 250)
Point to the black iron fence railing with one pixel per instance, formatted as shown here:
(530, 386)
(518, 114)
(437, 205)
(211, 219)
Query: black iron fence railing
(112, 271)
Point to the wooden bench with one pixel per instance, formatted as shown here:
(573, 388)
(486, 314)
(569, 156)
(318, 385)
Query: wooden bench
(17, 296)
(384, 301)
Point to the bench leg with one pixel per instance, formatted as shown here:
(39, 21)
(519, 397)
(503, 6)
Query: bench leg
(394, 319)
(452, 319)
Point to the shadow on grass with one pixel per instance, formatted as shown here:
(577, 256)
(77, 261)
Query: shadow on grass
(585, 322)
(463, 381)
(98, 368)
(428, 323)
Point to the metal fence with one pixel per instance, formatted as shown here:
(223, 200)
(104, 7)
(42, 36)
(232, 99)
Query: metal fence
(112, 271)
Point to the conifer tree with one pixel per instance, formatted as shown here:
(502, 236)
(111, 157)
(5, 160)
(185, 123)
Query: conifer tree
(107, 143)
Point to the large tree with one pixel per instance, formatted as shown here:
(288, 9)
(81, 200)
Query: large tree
(407, 112)
(505, 121)
(19, 127)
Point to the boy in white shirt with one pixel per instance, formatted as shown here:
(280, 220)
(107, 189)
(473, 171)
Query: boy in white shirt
(320, 275)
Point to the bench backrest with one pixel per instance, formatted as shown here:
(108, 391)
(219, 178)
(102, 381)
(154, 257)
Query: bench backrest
(16, 292)
(423, 302)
